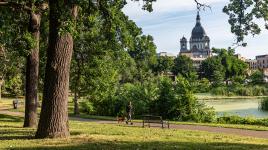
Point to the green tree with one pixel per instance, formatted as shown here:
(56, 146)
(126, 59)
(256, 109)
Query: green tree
(217, 79)
(209, 66)
(183, 65)
(224, 65)
(164, 64)
(244, 16)
(257, 78)
(24, 27)
(144, 54)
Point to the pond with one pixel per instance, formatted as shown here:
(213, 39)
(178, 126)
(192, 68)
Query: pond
(241, 107)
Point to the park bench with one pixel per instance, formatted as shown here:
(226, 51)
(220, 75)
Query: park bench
(147, 119)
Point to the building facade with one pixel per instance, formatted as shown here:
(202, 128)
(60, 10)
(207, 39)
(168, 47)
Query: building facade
(199, 44)
(252, 64)
(262, 61)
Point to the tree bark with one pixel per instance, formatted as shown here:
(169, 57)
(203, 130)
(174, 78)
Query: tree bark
(32, 71)
(53, 121)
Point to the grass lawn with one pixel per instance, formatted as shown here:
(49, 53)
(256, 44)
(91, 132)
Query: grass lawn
(236, 126)
(86, 135)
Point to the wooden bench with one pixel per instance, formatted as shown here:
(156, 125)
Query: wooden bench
(147, 119)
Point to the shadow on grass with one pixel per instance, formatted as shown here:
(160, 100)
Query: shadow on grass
(156, 145)
(16, 134)
(16, 138)
(8, 118)
(21, 133)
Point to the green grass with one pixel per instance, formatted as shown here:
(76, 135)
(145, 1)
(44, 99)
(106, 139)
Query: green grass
(236, 126)
(86, 135)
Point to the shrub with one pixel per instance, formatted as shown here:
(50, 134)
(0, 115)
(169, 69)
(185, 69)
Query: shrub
(203, 86)
(219, 91)
(87, 107)
(240, 90)
(244, 91)
(186, 107)
(234, 119)
(204, 113)
(264, 104)
(259, 91)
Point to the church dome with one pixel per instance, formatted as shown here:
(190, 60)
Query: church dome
(198, 31)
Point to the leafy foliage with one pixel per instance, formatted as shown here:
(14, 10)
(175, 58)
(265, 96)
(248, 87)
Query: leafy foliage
(257, 78)
(264, 104)
(244, 16)
(164, 65)
(183, 65)
(223, 67)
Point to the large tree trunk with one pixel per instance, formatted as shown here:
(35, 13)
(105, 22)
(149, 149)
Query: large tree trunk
(53, 121)
(32, 70)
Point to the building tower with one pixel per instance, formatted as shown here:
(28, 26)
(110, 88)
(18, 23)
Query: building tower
(183, 42)
(199, 42)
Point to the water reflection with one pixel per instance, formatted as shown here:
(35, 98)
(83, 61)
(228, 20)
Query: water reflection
(241, 107)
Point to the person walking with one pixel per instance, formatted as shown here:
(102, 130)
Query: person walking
(129, 110)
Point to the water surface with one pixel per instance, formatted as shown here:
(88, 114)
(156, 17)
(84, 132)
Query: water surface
(241, 107)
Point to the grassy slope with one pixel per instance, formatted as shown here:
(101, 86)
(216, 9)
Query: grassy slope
(100, 136)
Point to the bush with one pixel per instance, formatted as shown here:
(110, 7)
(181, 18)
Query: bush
(179, 103)
(240, 90)
(204, 113)
(156, 96)
(259, 91)
(203, 86)
(219, 91)
(264, 104)
(243, 91)
(242, 120)
(87, 107)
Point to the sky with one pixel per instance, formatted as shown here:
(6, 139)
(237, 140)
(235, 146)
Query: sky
(176, 18)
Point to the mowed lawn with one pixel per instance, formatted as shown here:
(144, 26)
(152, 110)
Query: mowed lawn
(87, 135)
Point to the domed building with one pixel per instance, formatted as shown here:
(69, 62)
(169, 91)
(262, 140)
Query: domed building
(199, 48)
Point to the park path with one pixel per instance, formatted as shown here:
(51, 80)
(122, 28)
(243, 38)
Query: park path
(233, 131)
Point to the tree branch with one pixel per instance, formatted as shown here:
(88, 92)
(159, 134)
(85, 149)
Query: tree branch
(201, 5)
(15, 5)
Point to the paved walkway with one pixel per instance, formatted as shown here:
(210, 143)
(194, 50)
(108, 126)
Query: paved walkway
(238, 132)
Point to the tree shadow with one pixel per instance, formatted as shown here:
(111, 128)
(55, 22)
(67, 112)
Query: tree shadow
(9, 118)
(151, 145)
(16, 134)
(22, 134)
